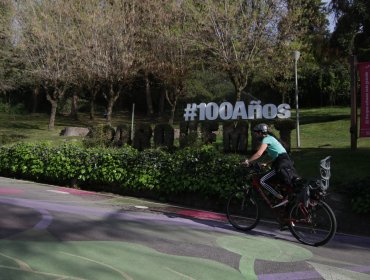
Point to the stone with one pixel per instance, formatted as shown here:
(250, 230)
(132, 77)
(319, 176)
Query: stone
(74, 131)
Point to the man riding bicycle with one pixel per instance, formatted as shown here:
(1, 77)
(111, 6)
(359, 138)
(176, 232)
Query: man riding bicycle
(282, 165)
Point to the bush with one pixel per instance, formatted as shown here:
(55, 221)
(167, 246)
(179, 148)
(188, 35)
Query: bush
(359, 193)
(202, 171)
(99, 136)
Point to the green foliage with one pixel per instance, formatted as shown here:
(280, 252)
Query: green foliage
(11, 138)
(12, 109)
(99, 136)
(351, 34)
(208, 86)
(360, 196)
(203, 170)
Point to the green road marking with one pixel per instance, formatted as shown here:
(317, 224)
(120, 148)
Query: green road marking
(103, 260)
(329, 272)
(122, 273)
(251, 248)
(22, 265)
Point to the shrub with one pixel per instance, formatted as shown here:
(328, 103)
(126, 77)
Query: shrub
(359, 193)
(99, 136)
(203, 171)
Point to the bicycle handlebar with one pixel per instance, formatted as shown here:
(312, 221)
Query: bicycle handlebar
(254, 167)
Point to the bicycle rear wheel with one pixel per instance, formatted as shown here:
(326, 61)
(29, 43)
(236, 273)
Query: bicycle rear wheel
(243, 210)
(315, 225)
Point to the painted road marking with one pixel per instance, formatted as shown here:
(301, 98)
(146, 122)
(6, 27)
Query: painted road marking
(109, 261)
(45, 220)
(77, 191)
(55, 191)
(203, 215)
(71, 191)
(329, 272)
(140, 207)
(21, 264)
(5, 191)
(122, 273)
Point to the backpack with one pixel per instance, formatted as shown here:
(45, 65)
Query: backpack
(287, 175)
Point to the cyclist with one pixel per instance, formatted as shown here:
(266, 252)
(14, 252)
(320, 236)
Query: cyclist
(282, 165)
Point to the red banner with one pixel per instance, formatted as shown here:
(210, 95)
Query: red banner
(365, 118)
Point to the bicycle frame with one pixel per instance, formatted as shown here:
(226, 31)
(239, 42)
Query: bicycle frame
(255, 182)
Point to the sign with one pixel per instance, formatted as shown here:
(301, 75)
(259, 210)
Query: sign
(228, 111)
(364, 69)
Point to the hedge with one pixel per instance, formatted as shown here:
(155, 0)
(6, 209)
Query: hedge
(202, 171)
(198, 176)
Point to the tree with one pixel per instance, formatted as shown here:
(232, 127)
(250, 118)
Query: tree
(311, 20)
(45, 39)
(10, 62)
(173, 54)
(242, 38)
(150, 17)
(106, 49)
(352, 31)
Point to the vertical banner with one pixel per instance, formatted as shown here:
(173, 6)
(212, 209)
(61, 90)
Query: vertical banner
(365, 118)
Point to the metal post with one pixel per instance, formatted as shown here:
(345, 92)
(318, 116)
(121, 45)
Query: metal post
(296, 57)
(132, 122)
(353, 129)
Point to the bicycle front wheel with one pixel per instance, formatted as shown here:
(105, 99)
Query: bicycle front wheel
(243, 210)
(314, 225)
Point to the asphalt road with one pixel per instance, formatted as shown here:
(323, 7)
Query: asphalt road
(50, 232)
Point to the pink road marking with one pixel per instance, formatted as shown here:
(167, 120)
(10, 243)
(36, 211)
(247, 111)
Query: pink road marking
(5, 191)
(76, 191)
(203, 215)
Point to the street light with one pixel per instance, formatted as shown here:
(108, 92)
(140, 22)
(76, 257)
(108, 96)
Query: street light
(296, 55)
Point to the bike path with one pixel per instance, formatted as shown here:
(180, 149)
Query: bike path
(49, 232)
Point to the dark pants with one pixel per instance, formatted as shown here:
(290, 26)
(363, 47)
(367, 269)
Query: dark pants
(283, 168)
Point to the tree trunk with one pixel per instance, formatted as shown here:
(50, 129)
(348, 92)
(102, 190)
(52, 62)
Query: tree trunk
(111, 99)
(238, 90)
(238, 95)
(173, 105)
(74, 108)
(35, 99)
(93, 94)
(54, 105)
(149, 102)
(109, 110)
(173, 110)
(162, 99)
(240, 83)
(92, 109)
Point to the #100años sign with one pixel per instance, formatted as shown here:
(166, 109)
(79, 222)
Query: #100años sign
(227, 111)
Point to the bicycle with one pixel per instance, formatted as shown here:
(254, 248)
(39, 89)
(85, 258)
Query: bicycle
(310, 220)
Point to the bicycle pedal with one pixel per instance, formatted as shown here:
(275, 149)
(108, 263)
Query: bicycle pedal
(281, 203)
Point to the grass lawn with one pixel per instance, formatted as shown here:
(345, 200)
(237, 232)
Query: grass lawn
(323, 132)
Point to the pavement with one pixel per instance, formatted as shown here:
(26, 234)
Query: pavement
(52, 232)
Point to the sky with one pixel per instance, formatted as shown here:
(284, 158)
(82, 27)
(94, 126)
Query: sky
(330, 17)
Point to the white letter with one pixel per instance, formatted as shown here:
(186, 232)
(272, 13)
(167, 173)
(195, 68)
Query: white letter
(211, 111)
(284, 111)
(226, 110)
(255, 110)
(269, 111)
(239, 111)
(202, 111)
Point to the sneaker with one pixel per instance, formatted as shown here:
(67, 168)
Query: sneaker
(283, 223)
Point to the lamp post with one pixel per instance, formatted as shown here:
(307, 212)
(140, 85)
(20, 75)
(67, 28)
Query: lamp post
(296, 55)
